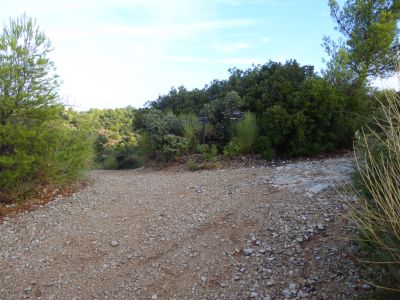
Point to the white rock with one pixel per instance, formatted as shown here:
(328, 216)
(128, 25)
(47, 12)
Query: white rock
(248, 251)
(114, 243)
(253, 294)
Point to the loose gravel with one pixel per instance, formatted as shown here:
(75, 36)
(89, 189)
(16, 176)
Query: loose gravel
(261, 232)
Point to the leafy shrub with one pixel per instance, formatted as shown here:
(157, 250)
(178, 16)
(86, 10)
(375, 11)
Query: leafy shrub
(53, 152)
(191, 130)
(64, 151)
(263, 146)
(208, 152)
(192, 165)
(110, 162)
(173, 146)
(377, 213)
(163, 134)
(232, 148)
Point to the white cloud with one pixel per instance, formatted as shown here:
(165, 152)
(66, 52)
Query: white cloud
(230, 62)
(265, 40)
(230, 48)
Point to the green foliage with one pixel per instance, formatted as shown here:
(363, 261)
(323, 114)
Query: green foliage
(275, 125)
(192, 165)
(247, 133)
(173, 147)
(377, 212)
(191, 131)
(232, 148)
(370, 41)
(163, 134)
(296, 111)
(110, 163)
(28, 88)
(36, 144)
(264, 147)
(209, 152)
(65, 151)
(115, 143)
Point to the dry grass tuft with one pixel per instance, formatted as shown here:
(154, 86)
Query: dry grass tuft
(377, 212)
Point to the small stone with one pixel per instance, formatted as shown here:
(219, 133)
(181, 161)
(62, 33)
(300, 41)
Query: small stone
(203, 278)
(253, 295)
(300, 239)
(366, 286)
(274, 235)
(320, 226)
(286, 293)
(248, 251)
(267, 297)
(28, 289)
(270, 283)
(114, 243)
(222, 285)
(154, 297)
(262, 251)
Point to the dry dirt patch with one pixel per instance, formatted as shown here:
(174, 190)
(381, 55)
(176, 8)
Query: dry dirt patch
(255, 232)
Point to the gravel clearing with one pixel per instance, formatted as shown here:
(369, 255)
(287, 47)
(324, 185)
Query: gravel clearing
(261, 232)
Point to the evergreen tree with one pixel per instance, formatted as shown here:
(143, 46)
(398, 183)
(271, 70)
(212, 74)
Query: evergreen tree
(370, 46)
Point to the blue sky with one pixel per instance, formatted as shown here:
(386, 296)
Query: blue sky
(115, 53)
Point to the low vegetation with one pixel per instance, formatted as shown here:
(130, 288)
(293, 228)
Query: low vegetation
(377, 213)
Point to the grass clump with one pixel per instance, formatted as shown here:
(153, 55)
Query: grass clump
(377, 213)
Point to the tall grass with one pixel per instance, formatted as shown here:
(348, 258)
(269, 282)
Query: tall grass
(191, 129)
(246, 133)
(377, 213)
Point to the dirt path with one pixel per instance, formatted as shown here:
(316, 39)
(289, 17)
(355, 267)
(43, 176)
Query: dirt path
(257, 232)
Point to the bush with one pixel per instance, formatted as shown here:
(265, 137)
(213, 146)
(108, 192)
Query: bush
(54, 153)
(208, 152)
(191, 130)
(192, 165)
(64, 151)
(232, 148)
(377, 213)
(110, 162)
(173, 146)
(263, 146)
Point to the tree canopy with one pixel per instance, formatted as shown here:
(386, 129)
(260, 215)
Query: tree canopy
(370, 46)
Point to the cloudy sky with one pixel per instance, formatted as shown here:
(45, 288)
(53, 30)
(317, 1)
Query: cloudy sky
(115, 53)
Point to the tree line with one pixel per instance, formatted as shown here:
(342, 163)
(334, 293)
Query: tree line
(274, 110)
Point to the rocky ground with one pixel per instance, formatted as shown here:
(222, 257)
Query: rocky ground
(257, 232)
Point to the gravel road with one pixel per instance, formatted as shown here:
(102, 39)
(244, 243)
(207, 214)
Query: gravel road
(261, 232)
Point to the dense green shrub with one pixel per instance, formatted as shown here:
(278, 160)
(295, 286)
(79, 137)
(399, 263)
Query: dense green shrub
(173, 146)
(37, 145)
(297, 111)
(163, 134)
(208, 152)
(232, 148)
